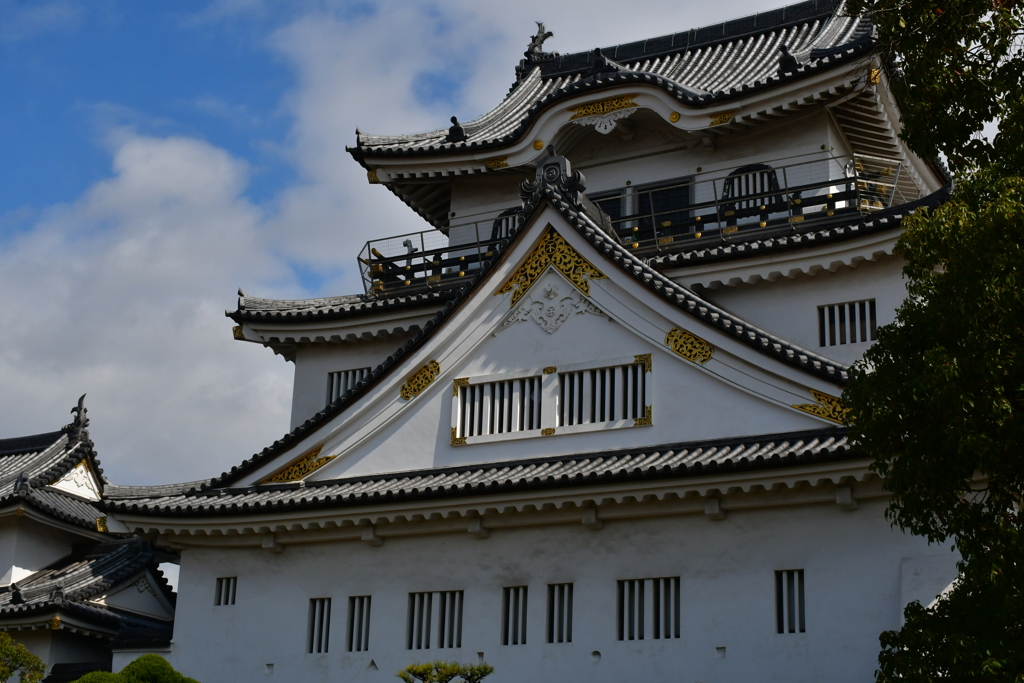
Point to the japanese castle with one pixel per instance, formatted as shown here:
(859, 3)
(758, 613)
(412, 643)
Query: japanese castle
(585, 425)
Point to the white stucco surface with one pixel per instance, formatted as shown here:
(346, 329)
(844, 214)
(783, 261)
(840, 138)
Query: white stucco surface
(852, 563)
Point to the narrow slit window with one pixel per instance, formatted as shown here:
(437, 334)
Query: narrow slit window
(790, 614)
(848, 323)
(648, 609)
(513, 615)
(318, 633)
(225, 591)
(338, 383)
(358, 623)
(500, 407)
(559, 613)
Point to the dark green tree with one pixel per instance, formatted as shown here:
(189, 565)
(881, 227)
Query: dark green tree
(939, 404)
(145, 669)
(15, 658)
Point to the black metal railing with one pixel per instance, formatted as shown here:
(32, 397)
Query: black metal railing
(757, 197)
(707, 207)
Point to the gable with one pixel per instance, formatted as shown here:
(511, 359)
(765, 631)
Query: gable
(555, 305)
(79, 481)
(142, 595)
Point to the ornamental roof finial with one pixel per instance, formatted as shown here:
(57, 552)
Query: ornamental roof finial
(535, 51)
(77, 429)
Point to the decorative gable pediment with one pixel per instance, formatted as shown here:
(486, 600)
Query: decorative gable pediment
(79, 481)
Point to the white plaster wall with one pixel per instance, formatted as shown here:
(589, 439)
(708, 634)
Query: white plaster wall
(789, 308)
(852, 563)
(313, 362)
(26, 546)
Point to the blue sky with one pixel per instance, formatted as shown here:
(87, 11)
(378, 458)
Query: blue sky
(157, 156)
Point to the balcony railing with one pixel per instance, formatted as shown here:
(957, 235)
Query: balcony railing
(754, 198)
(710, 207)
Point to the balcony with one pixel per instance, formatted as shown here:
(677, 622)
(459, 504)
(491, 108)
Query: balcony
(706, 208)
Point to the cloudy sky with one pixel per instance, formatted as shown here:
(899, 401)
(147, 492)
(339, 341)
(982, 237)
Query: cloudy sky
(154, 157)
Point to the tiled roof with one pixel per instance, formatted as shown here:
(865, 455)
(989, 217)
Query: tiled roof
(71, 582)
(658, 462)
(566, 195)
(253, 309)
(28, 464)
(699, 67)
(788, 239)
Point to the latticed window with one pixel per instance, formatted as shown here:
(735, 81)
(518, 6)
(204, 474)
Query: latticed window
(513, 615)
(358, 623)
(338, 383)
(847, 323)
(789, 601)
(559, 613)
(440, 610)
(225, 594)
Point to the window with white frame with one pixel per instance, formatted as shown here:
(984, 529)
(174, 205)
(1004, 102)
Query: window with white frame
(648, 608)
(338, 383)
(439, 609)
(847, 323)
(599, 395)
(225, 591)
(789, 601)
(318, 631)
(358, 623)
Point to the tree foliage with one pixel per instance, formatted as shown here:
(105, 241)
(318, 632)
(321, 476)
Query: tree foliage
(957, 64)
(939, 404)
(146, 669)
(443, 672)
(15, 658)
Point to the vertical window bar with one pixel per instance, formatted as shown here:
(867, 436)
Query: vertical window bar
(831, 325)
(656, 607)
(821, 326)
(790, 603)
(842, 323)
(800, 598)
(780, 622)
(871, 307)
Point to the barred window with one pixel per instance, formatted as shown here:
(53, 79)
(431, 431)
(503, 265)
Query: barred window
(225, 594)
(500, 407)
(338, 383)
(601, 394)
(318, 632)
(560, 613)
(648, 608)
(513, 615)
(789, 601)
(847, 323)
(440, 609)
(358, 623)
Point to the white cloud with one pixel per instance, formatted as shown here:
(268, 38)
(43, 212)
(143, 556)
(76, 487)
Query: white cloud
(120, 292)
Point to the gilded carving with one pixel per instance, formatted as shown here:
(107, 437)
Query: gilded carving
(547, 431)
(550, 370)
(496, 163)
(827, 407)
(689, 346)
(456, 439)
(371, 176)
(674, 117)
(55, 624)
(875, 77)
(237, 332)
(538, 144)
(101, 525)
(308, 463)
(724, 117)
(552, 251)
(647, 419)
(460, 382)
(602, 107)
(421, 380)
(644, 358)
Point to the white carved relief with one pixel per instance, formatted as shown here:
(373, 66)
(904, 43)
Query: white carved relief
(80, 482)
(604, 123)
(552, 309)
(143, 586)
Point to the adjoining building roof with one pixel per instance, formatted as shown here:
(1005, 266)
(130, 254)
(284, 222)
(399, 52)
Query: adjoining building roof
(30, 464)
(700, 67)
(67, 586)
(658, 462)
